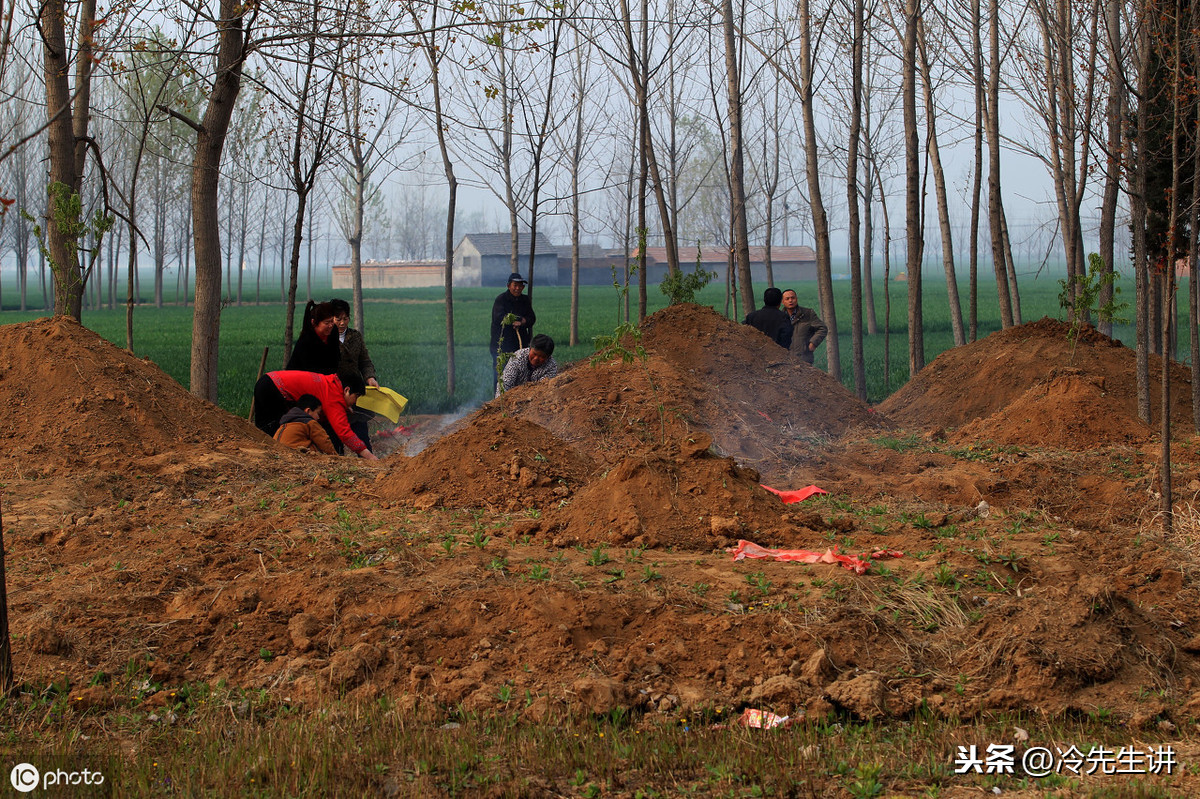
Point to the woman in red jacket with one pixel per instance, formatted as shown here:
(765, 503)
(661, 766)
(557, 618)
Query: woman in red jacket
(276, 392)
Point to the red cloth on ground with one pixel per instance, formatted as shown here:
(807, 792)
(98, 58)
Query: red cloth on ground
(857, 564)
(799, 495)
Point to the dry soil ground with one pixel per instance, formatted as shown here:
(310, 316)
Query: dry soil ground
(569, 541)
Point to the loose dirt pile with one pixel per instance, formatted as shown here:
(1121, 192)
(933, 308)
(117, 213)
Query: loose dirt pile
(563, 547)
(703, 373)
(72, 394)
(639, 448)
(1028, 385)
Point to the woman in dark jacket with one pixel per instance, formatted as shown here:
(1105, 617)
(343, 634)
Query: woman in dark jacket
(317, 349)
(355, 357)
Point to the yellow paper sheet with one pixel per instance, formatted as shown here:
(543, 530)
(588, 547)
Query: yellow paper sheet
(383, 401)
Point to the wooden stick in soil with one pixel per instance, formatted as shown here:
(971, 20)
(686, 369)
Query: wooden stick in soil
(6, 669)
(262, 365)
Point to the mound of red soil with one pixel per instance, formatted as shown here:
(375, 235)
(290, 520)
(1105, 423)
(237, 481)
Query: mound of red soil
(503, 464)
(682, 501)
(1069, 409)
(990, 375)
(704, 373)
(660, 428)
(69, 391)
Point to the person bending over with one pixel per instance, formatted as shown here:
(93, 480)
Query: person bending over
(276, 392)
(530, 365)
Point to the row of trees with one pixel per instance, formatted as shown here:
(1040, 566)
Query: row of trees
(659, 122)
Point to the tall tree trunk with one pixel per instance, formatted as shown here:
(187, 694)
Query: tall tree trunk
(868, 201)
(576, 162)
(206, 175)
(887, 287)
(1010, 267)
(434, 53)
(66, 132)
(737, 165)
(995, 203)
(1112, 158)
(356, 236)
(1193, 256)
(852, 198)
(639, 68)
(939, 184)
(242, 227)
(1138, 214)
(813, 179)
(913, 219)
(642, 231)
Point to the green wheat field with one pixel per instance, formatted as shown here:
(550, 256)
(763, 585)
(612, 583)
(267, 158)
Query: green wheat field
(406, 333)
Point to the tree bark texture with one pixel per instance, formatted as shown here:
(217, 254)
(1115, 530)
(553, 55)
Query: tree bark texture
(231, 53)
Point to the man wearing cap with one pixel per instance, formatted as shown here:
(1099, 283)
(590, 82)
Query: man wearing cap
(510, 338)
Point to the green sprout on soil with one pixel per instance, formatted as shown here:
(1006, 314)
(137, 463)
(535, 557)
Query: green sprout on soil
(683, 287)
(759, 580)
(1012, 560)
(944, 576)
(598, 557)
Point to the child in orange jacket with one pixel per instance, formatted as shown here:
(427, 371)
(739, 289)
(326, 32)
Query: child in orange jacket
(300, 428)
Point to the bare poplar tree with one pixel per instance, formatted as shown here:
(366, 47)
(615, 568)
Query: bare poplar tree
(913, 216)
(933, 149)
(1057, 53)
(737, 165)
(1000, 254)
(806, 65)
(857, 25)
(433, 40)
(233, 26)
(150, 83)
(1114, 122)
(373, 128)
(308, 103)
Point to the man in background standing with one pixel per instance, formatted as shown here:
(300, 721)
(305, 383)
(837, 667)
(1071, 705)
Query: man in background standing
(770, 320)
(515, 336)
(808, 331)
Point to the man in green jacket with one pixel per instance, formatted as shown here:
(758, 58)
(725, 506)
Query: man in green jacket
(808, 331)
